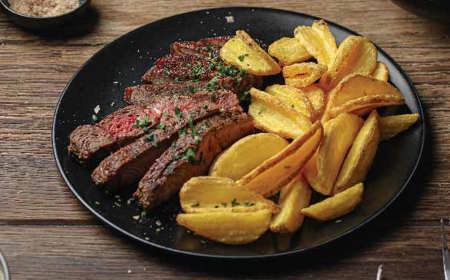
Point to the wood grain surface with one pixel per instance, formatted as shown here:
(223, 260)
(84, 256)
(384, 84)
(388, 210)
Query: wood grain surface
(46, 234)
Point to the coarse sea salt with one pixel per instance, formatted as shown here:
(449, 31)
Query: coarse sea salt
(229, 19)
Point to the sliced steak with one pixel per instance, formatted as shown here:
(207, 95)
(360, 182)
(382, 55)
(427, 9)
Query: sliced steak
(179, 68)
(117, 129)
(204, 47)
(127, 165)
(191, 156)
(149, 93)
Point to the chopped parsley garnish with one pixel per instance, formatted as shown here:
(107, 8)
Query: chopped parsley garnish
(234, 203)
(161, 126)
(178, 113)
(197, 204)
(242, 56)
(142, 122)
(181, 132)
(225, 70)
(192, 127)
(166, 71)
(189, 155)
(197, 70)
(205, 106)
(212, 84)
(151, 138)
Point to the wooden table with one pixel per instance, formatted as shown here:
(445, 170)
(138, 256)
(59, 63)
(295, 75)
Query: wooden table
(46, 234)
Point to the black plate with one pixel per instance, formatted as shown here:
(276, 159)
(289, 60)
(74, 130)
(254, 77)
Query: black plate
(101, 82)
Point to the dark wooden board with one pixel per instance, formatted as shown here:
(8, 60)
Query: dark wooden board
(44, 231)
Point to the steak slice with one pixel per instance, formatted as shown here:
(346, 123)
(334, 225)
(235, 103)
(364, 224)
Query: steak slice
(204, 47)
(117, 129)
(191, 156)
(149, 93)
(178, 68)
(127, 165)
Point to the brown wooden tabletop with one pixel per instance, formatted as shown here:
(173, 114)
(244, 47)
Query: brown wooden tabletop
(45, 233)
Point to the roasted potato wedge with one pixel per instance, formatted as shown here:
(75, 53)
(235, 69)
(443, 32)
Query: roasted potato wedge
(268, 178)
(288, 51)
(393, 125)
(301, 75)
(246, 154)
(381, 72)
(318, 41)
(228, 227)
(335, 206)
(271, 115)
(355, 55)
(357, 92)
(316, 97)
(323, 168)
(361, 154)
(295, 196)
(244, 53)
(293, 98)
(218, 194)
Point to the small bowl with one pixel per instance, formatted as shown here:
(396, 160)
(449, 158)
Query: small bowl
(43, 23)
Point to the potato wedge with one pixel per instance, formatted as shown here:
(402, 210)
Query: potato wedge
(295, 196)
(271, 115)
(246, 154)
(244, 53)
(381, 72)
(355, 55)
(337, 205)
(318, 41)
(268, 178)
(323, 168)
(361, 154)
(218, 194)
(316, 97)
(288, 51)
(293, 98)
(357, 92)
(393, 125)
(228, 227)
(303, 74)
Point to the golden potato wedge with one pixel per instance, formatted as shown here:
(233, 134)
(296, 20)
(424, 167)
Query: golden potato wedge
(218, 194)
(295, 196)
(357, 92)
(288, 51)
(301, 75)
(323, 168)
(393, 125)
(244, 53)
(293, 98)
(317, 98)
(381, 72)
(228, 227)
(268, 178)
(271, 115)
(355, 55)
(318, 41)
(361, 154)
(337, 205)
(246, 154)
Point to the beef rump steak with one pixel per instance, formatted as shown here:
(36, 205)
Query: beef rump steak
(191, 156)
(129, 163)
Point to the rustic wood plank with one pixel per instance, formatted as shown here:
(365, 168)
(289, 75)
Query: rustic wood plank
(45, 232)
(74, 252)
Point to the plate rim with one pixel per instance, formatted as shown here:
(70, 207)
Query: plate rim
(320, 245)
